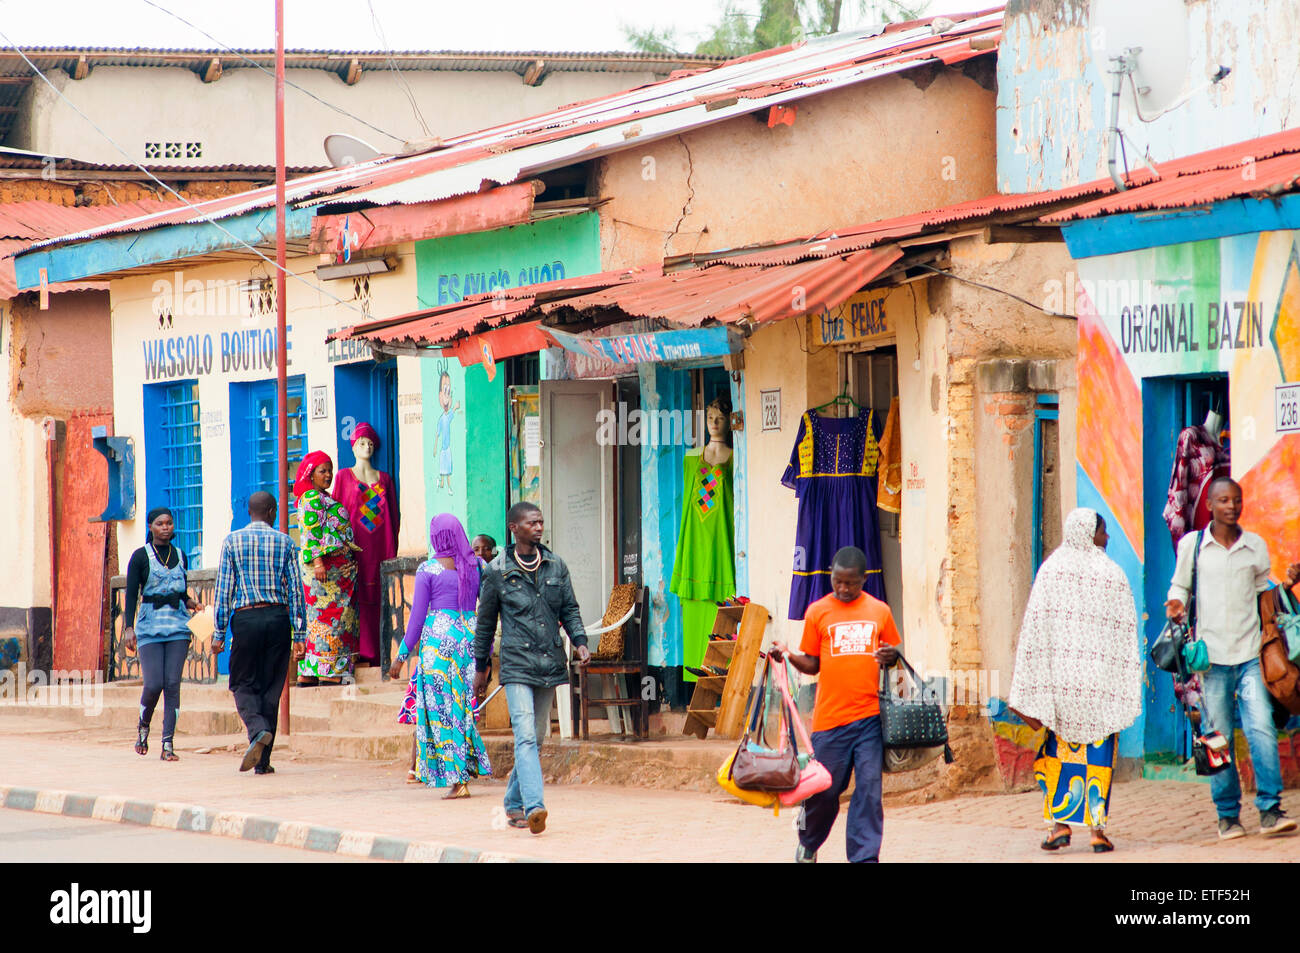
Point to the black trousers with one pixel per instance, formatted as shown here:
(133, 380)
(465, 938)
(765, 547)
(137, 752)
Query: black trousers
(161, 665)
(259, 663)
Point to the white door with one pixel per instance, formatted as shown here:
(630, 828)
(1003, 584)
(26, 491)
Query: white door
(578, 487)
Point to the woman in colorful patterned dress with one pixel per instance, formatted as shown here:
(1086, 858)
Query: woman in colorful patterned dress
(329, 574)
(440, 632)
(1079, 675)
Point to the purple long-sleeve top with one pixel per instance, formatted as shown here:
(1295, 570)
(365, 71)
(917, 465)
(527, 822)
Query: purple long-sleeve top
(436, 590)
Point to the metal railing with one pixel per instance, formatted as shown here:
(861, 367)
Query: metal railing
(397, 577)
(200, 663)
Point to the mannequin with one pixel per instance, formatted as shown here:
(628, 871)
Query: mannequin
(1200, 458)
(370, 498)
(704, 569)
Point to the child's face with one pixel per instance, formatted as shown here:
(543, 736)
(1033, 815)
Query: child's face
(482, 549)
(444, 393)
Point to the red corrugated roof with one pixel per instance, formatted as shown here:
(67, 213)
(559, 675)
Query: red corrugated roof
(724, 292)
(36, 220)
(21, 223)
(628, 119)
(1260, 167)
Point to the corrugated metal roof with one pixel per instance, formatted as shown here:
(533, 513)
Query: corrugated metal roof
(9, 283)
(614, 61)
(1261, 167)
(581, 131)
(724, 292)
(36, 220)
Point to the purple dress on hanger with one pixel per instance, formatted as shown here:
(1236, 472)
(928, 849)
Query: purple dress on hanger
(833, 474)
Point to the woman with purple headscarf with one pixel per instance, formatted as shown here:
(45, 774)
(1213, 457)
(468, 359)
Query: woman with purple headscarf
(440, 633)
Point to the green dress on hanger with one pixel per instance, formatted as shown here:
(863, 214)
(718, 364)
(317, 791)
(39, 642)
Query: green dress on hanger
(704, 572)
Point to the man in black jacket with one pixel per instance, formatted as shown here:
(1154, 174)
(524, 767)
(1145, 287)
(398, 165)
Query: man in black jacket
(527, 586)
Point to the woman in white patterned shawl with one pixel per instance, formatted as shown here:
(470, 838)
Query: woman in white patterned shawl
(1079, 675)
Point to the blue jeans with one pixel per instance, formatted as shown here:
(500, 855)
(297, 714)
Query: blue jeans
(530, 720)
(1244, 685)
(855, 748)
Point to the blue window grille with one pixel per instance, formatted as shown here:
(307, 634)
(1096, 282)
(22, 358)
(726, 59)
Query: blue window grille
(1046, 414)
(175, 460)
(255, 445)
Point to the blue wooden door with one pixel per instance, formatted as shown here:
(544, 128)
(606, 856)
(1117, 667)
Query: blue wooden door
(367, 391)
(254, 444)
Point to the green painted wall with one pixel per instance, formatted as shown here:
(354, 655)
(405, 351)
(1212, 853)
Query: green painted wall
(447, 270)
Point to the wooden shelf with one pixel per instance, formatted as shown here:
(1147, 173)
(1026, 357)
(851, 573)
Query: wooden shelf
(718, 701)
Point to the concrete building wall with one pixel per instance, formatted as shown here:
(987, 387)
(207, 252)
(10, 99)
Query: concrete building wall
(311, 316)
(1054, 91)
(898, 144)
(232, 119)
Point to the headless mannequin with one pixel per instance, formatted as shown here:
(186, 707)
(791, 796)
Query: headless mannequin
(365, 473)
(1214, 424)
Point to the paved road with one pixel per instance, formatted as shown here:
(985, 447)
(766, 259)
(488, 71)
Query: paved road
(45, 838)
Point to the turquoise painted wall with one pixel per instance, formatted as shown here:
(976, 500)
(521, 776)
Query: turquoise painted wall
(447, 270)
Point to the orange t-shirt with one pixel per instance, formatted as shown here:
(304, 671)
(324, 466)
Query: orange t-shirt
(844, 635)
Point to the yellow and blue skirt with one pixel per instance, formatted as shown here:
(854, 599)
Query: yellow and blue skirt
(1075, 779)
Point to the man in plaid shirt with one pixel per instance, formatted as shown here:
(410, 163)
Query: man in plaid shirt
(260, 598)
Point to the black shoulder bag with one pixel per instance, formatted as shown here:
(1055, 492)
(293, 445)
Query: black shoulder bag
(1167, 650)
(914, 722)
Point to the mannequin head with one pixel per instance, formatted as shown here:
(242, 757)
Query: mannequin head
(365, 441)
(717, 421)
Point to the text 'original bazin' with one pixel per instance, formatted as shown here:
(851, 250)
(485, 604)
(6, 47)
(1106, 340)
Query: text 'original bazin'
(1169, 328)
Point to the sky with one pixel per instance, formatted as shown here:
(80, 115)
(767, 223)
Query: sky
(395, 24)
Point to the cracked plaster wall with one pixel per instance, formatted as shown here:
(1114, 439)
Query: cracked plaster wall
(1053, 92)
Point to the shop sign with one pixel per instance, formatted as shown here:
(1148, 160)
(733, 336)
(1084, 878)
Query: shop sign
(1287, 407)
(197, 355)
(346, 350)
(652, 347)
(861, 319)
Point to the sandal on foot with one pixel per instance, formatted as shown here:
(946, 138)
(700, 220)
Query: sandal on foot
(457, 791)
(1056, 842)
(167, 753)
(142, 740)
(412, 777)
(1101, 844)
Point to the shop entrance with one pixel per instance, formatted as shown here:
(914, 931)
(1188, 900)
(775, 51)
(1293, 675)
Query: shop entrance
(367, 391)
(873, 383)
(253, 445)
(1169, 404)
(577, 485)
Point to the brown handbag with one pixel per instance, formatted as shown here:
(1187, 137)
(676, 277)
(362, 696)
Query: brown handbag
(757, 767)
(1281, 675)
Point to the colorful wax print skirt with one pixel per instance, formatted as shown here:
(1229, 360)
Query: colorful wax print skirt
(440, 703)
(1075, 779)
(331, 618)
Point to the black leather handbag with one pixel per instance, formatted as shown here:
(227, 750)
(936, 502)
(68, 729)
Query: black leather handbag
(914, 722)
(1167, 650)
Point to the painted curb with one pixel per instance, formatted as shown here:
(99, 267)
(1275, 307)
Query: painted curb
(250, 827)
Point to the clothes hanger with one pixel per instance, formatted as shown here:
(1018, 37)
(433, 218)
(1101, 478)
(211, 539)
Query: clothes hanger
(841, 398)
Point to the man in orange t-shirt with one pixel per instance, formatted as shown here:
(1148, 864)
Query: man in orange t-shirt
(847, 636)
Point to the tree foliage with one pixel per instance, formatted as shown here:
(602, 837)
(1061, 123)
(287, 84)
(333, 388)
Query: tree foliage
(741, 31)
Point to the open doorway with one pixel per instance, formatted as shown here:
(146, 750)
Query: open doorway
(873, 383)
(1169, 405)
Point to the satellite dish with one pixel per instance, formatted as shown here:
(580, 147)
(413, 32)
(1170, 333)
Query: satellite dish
(1153, 35)
(344, 150)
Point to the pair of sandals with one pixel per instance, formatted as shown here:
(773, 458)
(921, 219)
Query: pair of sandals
(1058, 838)
(142, 745)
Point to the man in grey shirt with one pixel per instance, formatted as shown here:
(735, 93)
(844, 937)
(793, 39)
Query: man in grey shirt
(1232, 568)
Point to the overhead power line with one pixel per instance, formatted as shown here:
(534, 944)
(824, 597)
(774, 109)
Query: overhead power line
(251, 62)
(186, 202)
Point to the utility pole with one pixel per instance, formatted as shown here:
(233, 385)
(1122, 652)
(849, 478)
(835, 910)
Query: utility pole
(281, 345)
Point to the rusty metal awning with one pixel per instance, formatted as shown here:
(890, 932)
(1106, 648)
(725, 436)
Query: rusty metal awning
(731, 292)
